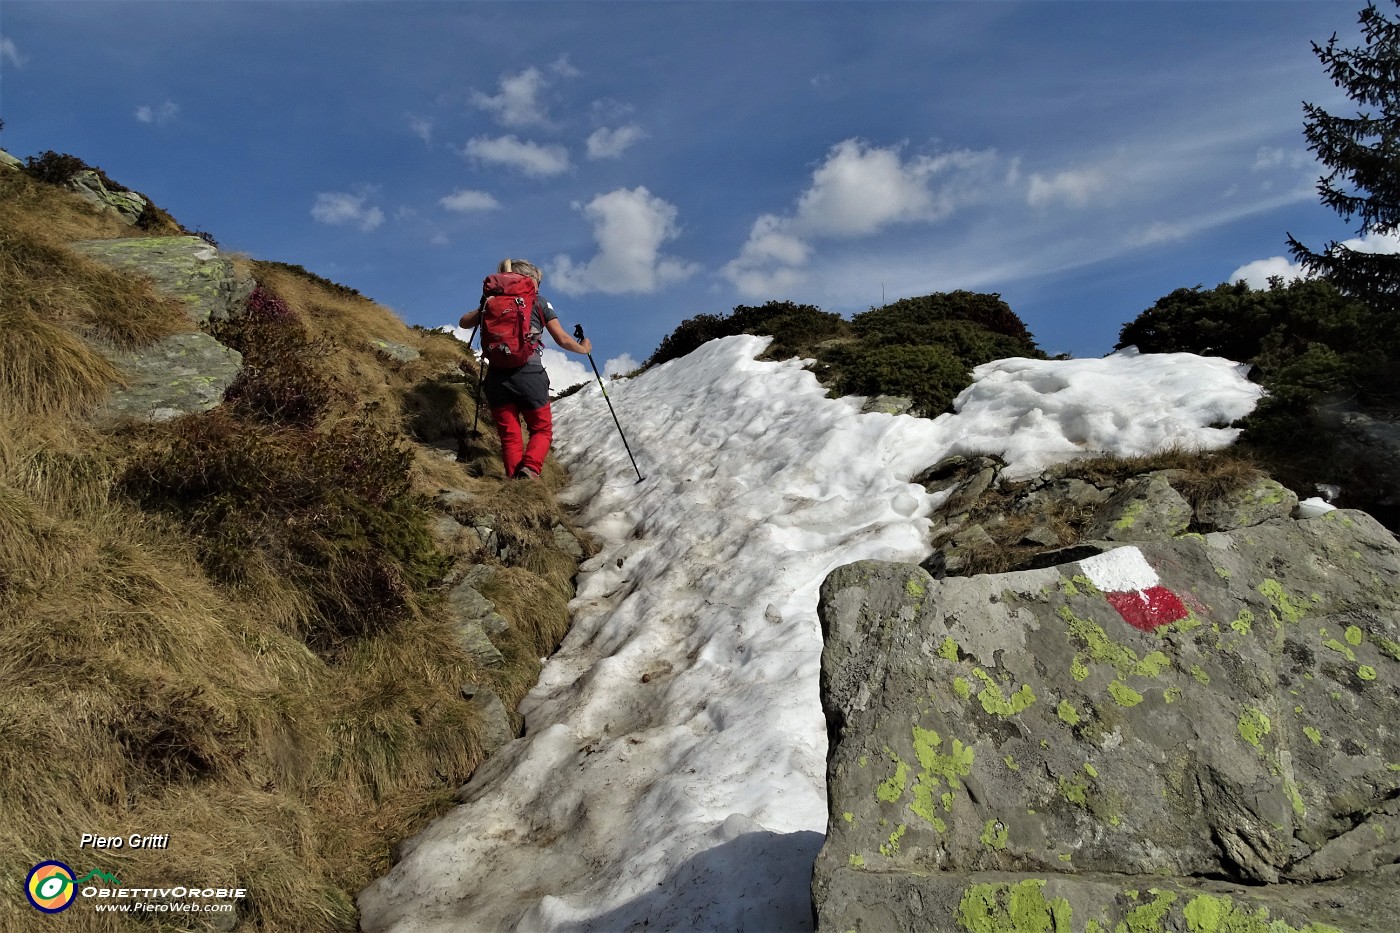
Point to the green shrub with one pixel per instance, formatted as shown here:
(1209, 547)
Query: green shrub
(909, 319)
(58, 168)
(931, 376)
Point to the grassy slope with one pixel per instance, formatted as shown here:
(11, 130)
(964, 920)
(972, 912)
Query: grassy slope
(141, 692)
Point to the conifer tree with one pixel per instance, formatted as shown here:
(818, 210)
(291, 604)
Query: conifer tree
(1362, 153)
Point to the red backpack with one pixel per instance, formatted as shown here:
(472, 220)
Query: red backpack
(507, 301)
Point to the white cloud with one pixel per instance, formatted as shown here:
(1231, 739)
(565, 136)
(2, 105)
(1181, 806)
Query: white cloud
(607, 143)
(858, 191)
(518, 103)
(564, 68)
(529, 158)
(163, 114)
(620, 365)
(466, 201)
(339, 208)
(1073, 188)
(9, 53)
(629, 227)
(1269, 157)
(421, 127)
(1256, 274)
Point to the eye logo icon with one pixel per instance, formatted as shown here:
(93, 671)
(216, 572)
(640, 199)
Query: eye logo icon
(50, 887)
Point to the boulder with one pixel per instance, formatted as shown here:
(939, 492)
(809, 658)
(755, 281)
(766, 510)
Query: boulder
(1264, 500)
(128, 205)
(1144, 508)
(184, 266)
(10, 161)
(888, 405)
(1189, 734)
(398, 352)
(178, 375)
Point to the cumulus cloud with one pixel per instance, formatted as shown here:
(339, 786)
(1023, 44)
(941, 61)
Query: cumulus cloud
(564, 68)
(1074, 188)
(518, 101)
(163, 114)
(858, 191)
(1256, 274)
(9, 53)
(534, 159)
(421, 127)
(466, 201)
(629, 227)
(620, 365)
(607, 143)
(340, 208)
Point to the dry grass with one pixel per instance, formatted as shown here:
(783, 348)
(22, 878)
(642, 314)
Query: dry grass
(140, 695)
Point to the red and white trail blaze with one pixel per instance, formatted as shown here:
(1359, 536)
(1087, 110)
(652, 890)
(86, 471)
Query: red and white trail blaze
(1132, 587)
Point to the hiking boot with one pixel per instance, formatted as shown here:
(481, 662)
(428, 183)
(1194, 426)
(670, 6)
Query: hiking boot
(525, 473)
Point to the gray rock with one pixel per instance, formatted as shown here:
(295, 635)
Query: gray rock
(128, 205)
(178, 375)
(183, 266)
(1142, 509)
(1020, 752)
(966, 494)
(10, 161)
(565, 541)
(1062, 493)
(474, 640)
(888, 404)
(469, 606)
(1263, 501)
(395, 351)
(496, 729)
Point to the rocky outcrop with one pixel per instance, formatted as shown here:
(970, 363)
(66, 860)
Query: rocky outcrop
(1190, 733)
(128, 205)
(178, 375)
(184, 266)
(183, 373)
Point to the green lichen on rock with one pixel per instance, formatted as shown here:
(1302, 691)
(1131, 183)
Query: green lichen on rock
(1313, 735)
(1013, 908)
(1149, 917)
(892, 788)
(914, 589)
(996, 703)
(994, 834)
(1283, 608)
(937, 769)
(962, 687)
(1207, 913)
(1253, 726)
(1124, 695)
(1244, 622)
(1067, 713)
(1353, 635)
(949, 649)
(891, 848)
(1366, 672)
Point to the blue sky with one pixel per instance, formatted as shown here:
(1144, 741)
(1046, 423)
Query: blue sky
(665, 159)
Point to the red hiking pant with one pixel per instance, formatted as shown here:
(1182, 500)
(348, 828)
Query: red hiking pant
(538, 421)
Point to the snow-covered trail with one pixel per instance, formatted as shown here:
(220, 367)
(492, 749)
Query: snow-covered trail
(673, 768)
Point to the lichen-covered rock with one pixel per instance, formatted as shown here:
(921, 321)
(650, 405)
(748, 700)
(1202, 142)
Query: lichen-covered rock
(10, 161)
(888, 404)
(178, 375)
(128, 205)
(1142, 509)
(1158, 736)
(398, 352)
(1264, 500)
(186, 267)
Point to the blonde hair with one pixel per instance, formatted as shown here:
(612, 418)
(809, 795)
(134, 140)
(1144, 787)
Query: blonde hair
(521, 267)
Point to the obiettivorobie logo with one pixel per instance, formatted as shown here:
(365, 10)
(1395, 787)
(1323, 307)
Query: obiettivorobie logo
(51, 886)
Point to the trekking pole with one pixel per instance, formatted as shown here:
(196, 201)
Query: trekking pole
(480, 378)
(578, 335)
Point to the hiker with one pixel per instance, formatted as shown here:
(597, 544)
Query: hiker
(515, 389)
